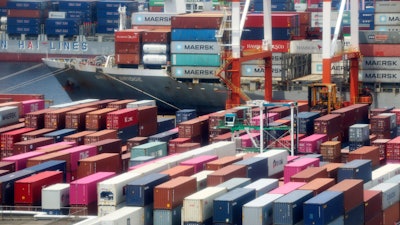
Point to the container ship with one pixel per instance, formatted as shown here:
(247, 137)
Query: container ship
(168, 55)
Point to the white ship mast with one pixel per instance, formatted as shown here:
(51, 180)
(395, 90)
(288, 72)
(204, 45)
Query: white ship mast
(122, 17)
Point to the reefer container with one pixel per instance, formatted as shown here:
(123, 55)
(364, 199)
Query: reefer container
(140, 192)
(28, 190)
(356, 169)
(289, 208)
(105, 162)
(382, 174)
(390, 193)
(235, 182)
(277, 159)
(199, 162)
(352, 192)
(263, 185)
(323, 208)
(198, 207)
(124, 215)
(170, 194)
(55, 196)
(112, 191)
(201, 178)
(226, 173)
(257, 167)
(228, 207)
(84, 191)
(260, 210)
(157, 149)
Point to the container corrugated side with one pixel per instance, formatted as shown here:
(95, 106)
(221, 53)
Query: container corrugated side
(201, 178)
(289, 208)
(167, 217)
(124, 215)
(323, 208)
(198, 207)
(260, 210)
(257, 167)
(263, 185)
(390, 193)
(352, 191)
(277, 159)
(356, 169)
(382, 174)
(234, 183)
(140, 192)
(9, 115)
(55, 196)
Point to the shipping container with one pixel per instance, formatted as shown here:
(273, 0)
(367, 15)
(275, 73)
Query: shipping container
(10, 166)
(83, 191)
(222, 162)
(318, 185)
(287, 188)
(372, 203)
(96, 120)
(257, 167)
(29, 145)
(170, 194)
(352, 192)
(198, 207)
(55, 197)
(78, 137)
(179, 170)
(233, 183)
(277, 159)
(391, 214)
(228, 207)
(221, 175)
(168, 216)
(356, 169)
(121, 118)
(108, 146)
(292, 168)
(76, 119)
(124, 215)
(390, 193)
(201, 178)
(260, 210)
(28, 191)
(309, 174)
(165, 136)
(20, 160)
(366, 152)
(9, 138)
(263, 185)
(199, 163)
(36, 134)
(7, 185)
(104, 162)
(55, 119)
(323, 208)
(59, 135)
(156, 149)
(9, 115)
(99, 136)
(135, 141)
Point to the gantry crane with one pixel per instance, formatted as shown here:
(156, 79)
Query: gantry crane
(230, 71)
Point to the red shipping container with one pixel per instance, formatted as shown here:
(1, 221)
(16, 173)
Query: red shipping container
(135, 141)
(156, 9)
(20, 160)
(381, 144)
(22, 97)
(128, 35)
(36, 134)
(53, 148)
(170, 194)
(29, 190)
(286, 141)
(147, 114)
(8, 139)
(222, 162)
(391, 214)
(32, 105)
(199, 162)
(376, 220)
(127, 59)
(256, 45)
(381, 123)
(318, 185)
(192, 128)
(12, 127)
(50, 156)
(29, 145)
(366, 152)
(121, 104)
(127, 48)
(26, 13)
(100, 135)
(161, 35)
(379, 50)
(311, 144)
(327, 124)
(36, 119)
(278, 20)
(221, 175)
(79, 137)
(197, 21)
(55, 119)
(100, 104)
(296, 166)
(105, 162)
(125, 160)
(76, 119)
(184, 147)
(393, 149)
(78, 153)
(96, 120)
(122, 118)
(372, 203)
(172, 144)
(84, 191)
(310, 174)
(353, 190)
(179, 170)
(10, 166)
(108, 146)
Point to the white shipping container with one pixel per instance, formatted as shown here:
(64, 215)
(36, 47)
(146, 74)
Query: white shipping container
(220, 149)
(90, 220)
(317, 18)
(382, 174)
(123, 216)
(387, 28)
(277, 159)
(195, 47)
(259, 210)
(387, 19)
(141, 103)
(155, 167)
(387, 6)
(310, 46)
(155, 49)
(151, 18)
(379, 76)
(263, 185)
(73, 103)
(9, 115)
(55, 196)
(201, 178)
(57, 15)
(259, 70)
(194, 72)
(111, 191)
(337, 68)
(103, 210)
(390, 193)
(174, 160)
(380, 63)
(198, 207)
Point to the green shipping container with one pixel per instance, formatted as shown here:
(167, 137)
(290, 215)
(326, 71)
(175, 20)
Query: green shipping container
(156, 3)
(196, 60)
(156, 149)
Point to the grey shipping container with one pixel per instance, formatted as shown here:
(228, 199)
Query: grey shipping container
(235, 182)
(263, 185)
(260, 210)
(167, 217)
(390, 193)
(8, 115)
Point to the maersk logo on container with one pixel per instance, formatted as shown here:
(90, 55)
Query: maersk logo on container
(194, 72)
(152, 19)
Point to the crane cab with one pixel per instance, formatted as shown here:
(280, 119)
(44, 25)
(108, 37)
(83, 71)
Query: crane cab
(323, 97)
(230, 119)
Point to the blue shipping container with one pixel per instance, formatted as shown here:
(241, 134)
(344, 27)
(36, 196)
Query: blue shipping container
(164, 136)
(141, 191)
(59, 135)
(127, 133)
(355, 216)
(7, 185)
(28, 5)
(193, 35)
(185, 114)
(356, 169)
(323, 208)
(196, 60)
(22, 29)
(257, 167)
(288, 209)
(76, 5)
(111, 5)
(228, 207)
(51, 165)
(165, 124)
(23, 21)
(140, 159)
(63, 23)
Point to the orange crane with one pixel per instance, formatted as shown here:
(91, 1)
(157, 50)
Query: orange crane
(234, 58)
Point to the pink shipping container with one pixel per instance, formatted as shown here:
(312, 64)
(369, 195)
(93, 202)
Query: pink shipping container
(199, 162)
(29, 190)
(33, 105)
(84, 191)
(122, 118)
(21, 159)
(312, 143)
(78, 153)
(246, 139)
(287, 188)
(9, 138)
(271, 117)
(70, 143)
(291, 169)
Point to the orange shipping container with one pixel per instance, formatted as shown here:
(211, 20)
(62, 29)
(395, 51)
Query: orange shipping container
(222, 162)
(105, 162)
(309, 174)
(121, 104)
(100, 135)
(78, 138)
(50, 156)
(366, 152)
(96, 120)
(170, 194)
(179, 170)
(226, 173)
(318, 185)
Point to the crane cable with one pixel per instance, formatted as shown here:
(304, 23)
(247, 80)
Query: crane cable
(21, 71)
